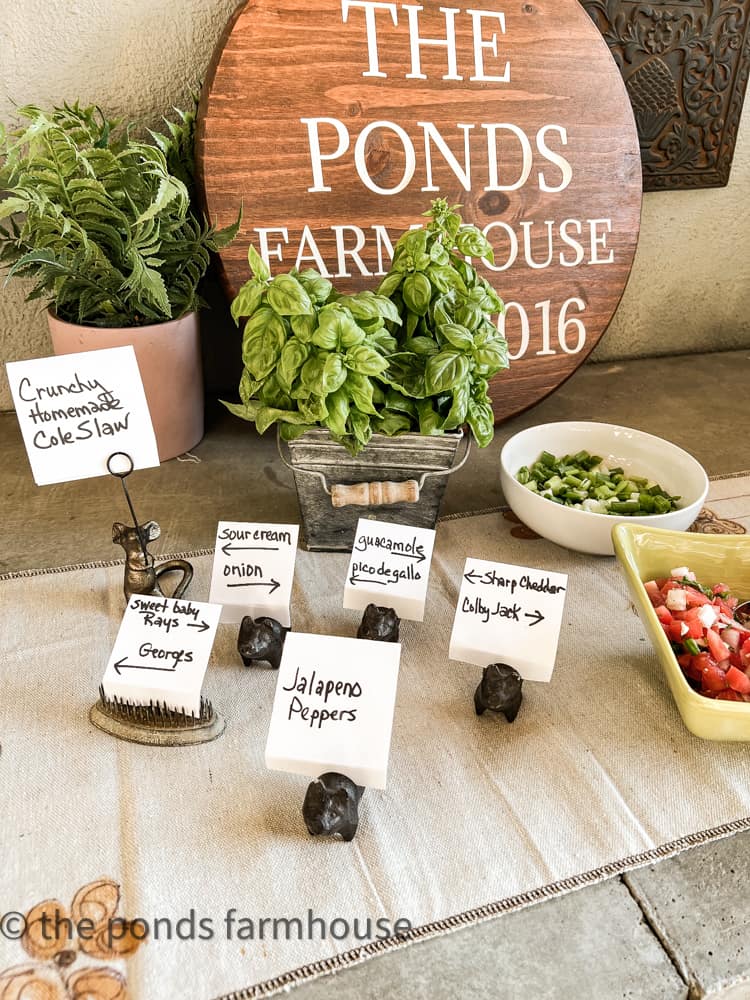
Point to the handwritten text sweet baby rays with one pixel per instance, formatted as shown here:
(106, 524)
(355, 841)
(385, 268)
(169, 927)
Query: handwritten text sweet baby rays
(491, 157)
(66, 413)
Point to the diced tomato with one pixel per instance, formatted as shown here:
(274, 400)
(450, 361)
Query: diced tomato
(674, 630)
(713, 679)
(693, 668)
(654, 593)
(695, 598)
(716, 646)
(664, 615)
(738, 681)
(722, 666)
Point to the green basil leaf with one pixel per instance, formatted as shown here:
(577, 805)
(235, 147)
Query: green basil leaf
(273, 393)
(390, 283)
(443, 309)
(265, 321)
(338, 412)
(406, 372)
(472, 243)
(316, 286)
(496, 303)
(445, 277)
(481, 420)
(360, 425)
(466, 272)
(287, 297)
(493, 355)
(430, 422)
(422, 345)
(247, 300)
(413, 241)
(457, 335)
(365, 360)
(438, 253)
(257, 265)
(293, 355)
(325, 337)
(262, 341)
(268, 415)
(260, 354)
(469, 314)
(311, 374)
(417, 292)
(248, 386)
(392, 423)
(337, 328)
(246, 411)
(459, 407)
(360, 390)
(388, 309)
(382, 341)
(303, 327)
(395, 400)
(445, 370)
(363, 305)
(334, 373)
(313, 408)
(288, 432)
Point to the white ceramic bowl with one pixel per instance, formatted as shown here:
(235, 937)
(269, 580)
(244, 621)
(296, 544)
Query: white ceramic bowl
(639, 454)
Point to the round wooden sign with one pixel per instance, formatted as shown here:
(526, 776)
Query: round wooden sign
(335, 123)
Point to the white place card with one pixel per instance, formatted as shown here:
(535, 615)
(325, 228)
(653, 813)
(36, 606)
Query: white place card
(390, 567)
(253, 570)
(75, 410)
(161, 652)
(333, 709)
(509, 614)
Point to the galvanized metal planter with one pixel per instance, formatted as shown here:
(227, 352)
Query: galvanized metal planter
(393, 479)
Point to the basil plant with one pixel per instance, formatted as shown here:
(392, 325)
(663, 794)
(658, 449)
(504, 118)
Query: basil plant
(416, 356)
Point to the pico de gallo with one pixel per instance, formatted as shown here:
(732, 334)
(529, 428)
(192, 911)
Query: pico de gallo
(711, 645)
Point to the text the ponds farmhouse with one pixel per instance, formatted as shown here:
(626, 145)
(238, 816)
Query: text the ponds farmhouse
(336, 123)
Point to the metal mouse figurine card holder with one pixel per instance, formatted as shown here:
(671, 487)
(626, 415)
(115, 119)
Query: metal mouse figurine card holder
(142, 575)
(153, 724)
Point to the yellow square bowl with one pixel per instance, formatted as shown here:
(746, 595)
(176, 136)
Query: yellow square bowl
(647, 553)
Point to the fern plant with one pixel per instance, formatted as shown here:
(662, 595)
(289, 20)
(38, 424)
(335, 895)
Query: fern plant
(101, 221)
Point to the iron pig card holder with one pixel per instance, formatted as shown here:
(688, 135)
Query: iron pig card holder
(154, 724)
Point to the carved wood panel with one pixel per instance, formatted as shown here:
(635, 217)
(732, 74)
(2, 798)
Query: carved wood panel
(685, 64)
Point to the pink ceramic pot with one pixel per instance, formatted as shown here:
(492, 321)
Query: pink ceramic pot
(169, 358)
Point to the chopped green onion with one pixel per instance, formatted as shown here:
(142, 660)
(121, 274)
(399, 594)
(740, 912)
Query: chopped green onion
(582, 481)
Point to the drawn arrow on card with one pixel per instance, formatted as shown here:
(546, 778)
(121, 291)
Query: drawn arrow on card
(472, 576)
(354, 580)
(419, 556)
(226, 549)
(203, 626)
(537, 616)
(273, 584)
(122, 665)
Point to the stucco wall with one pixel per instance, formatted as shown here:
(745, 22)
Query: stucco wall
(690, 288)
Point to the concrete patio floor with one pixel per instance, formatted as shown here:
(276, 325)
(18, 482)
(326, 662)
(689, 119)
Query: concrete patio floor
(678, 929)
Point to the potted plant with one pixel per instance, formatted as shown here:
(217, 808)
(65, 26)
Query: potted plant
(103, 224)
(374, 385)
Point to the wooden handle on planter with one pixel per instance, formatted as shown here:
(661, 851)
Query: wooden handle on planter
(373, 494)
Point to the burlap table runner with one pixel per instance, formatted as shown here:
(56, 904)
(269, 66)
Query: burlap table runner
(597, 775)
